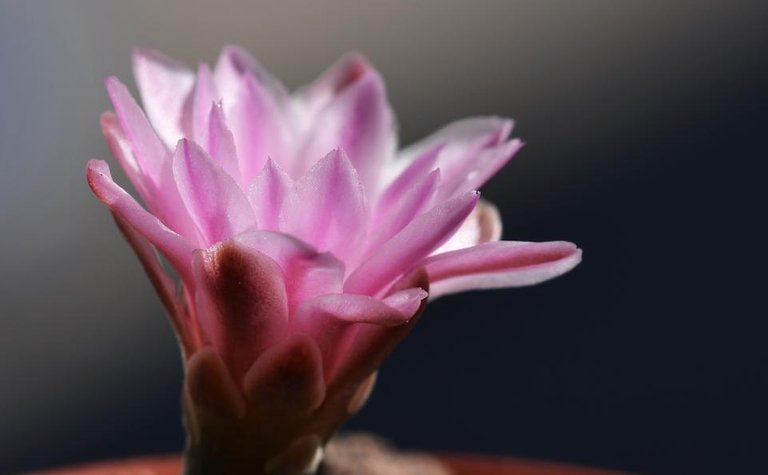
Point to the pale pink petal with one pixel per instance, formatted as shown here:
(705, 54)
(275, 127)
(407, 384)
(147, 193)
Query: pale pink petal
(204, 97)
(414, 173)
(149, 150)
(221, 144)
(243, 302)
(256, 121)
(417, 240)
(499, 264)
(485, 164)
(482, 225)
(174, 247)
(359, 120)
(460, 143)
(307, 272)
(315, 96)
(268, 194)
(121, 149)
(215, 203)
(328, 208)
(234, 63)
(165, 86)
(389, 220)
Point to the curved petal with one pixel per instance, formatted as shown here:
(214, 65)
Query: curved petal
(121, 149)
(165, 85)
(268, 194)
(307, 272)
(499, 264)
(482, 225)
(221, 144)
(390, 220)
(460, 143)
(484, 165)
(359, 120)
(234, 63)
(417, 240)
(215, 203)
(174, 247)
(149, 150)
(203, 98)
(241, 301)
(328, 208)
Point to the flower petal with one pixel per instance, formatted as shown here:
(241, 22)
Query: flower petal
(417, 240)
(499, 264)
(149, 150)
(328, 208)
(268, 194)
(221, 144)
(203, 98)
(174, 247)
(215, 203)
(307, 272)
(234, 63)
(389, 220)
(121, 149)
(359, 120)
(241, 300)
(460, 142)
(165, 86)
(482, 225)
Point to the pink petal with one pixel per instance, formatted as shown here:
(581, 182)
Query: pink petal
(174, 247)
(486, 163)
(121, 149)
(389, 220)
(215, 203)
(342, 74)
(421, 166)
(328, 208)
(461, 143)
(149, 150)
(267, 195)
(233, 64)
(204, 97)
(241, 301)
(499, 264)
(256, 121)
(397, 256)
(307, 272)
(482, 225)
(221, 144)
(360, 121)
(330, 319)
(165, 86)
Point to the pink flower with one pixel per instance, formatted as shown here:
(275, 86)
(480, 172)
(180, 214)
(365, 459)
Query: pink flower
(305, 243)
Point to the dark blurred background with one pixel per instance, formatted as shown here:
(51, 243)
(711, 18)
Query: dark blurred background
(646, 128)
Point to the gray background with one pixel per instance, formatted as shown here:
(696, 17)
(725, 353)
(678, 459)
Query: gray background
(643, 119)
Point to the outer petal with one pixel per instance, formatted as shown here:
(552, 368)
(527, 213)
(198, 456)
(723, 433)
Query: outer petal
(165, 86)
(359, 120)
(221, 144)
(174, 247)
(215, 203)
(331, 319)
(204, 97)
(149, 150)
(499, 264)
(482, 225)
(121, 149)
(307, 272)
(479, 170)
(460, 143)
(328, 208)
(241, 302)
(417, 240)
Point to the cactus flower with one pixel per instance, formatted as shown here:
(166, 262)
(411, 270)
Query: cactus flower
(303, 243)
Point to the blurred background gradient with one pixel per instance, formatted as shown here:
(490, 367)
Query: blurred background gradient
(645, 123)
